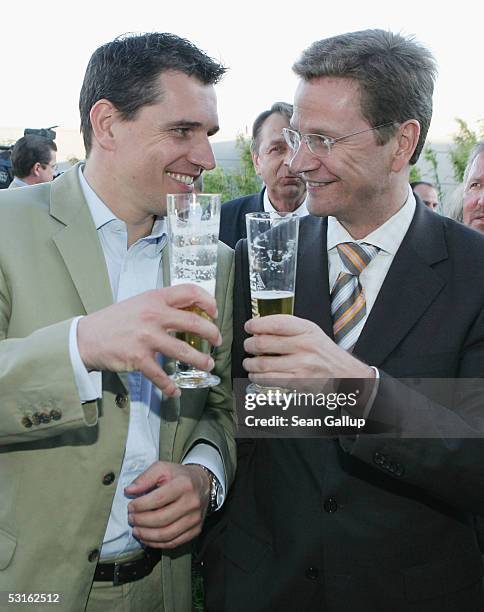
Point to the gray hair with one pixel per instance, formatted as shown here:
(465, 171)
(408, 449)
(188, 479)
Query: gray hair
(453, 204)
(477, 150)
(395, 75)
(283, 108)
(454, 208)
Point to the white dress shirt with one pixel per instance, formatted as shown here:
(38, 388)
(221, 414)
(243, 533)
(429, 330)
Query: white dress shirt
(301, 210)
(388, 238)
(132, 271)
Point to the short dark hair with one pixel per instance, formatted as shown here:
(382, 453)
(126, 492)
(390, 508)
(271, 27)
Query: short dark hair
(417, 183)
(283, 108)
(395, 75)
(29, 150)
(125, 72)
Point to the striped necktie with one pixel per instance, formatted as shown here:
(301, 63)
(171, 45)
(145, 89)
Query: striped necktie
(348, 304)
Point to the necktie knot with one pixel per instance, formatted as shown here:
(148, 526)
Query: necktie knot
(355, 257)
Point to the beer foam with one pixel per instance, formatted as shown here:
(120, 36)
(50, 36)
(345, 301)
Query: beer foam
(271, 295)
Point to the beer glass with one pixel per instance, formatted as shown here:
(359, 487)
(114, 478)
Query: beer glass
(193, 226)
(272, 249)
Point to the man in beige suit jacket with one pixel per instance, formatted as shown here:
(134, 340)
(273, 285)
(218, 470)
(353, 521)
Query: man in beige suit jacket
(147, 109)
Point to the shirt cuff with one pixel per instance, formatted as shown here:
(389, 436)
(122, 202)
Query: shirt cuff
(89, 384)
(209, 457)
(376, 384)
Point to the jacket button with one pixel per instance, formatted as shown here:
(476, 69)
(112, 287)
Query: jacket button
(378, 458)
(312, 573)
(26, 422)
(45, 417)
(330, 505)
(108, 478)
(55, 415)
(36, 418)
(93, 555)
(121, 400)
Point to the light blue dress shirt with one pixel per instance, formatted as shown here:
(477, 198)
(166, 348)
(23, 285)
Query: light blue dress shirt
(131, 271)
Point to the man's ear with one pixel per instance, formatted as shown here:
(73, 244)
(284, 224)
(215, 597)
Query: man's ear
(102, 116)
(406, 143)
(255, 161)
(35, 170)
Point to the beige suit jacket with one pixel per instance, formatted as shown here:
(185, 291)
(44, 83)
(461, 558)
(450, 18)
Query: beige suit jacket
(54, 451)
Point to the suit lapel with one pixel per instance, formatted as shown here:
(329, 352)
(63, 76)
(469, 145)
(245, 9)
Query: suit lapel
(78, 242)
(312, 282)
(410, 287)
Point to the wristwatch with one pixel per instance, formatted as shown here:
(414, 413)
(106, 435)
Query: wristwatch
(215, 489)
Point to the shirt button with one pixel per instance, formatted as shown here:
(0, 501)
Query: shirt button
(108, 478)
(330, 505)
(93, 555)
(26, 422)
(312, 573)
(121, 400)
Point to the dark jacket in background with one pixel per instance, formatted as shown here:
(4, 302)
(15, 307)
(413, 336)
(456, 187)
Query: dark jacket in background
(232, 217)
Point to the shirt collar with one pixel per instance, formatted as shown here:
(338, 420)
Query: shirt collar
(388, 237)
(19, 182)
(300, 211)
(102, 215)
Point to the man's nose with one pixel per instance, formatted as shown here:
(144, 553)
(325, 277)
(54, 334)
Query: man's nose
(302, 160)
(480, 197)
(202, 155)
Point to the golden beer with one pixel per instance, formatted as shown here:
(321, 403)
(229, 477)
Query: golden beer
(198, 343)
(266, 303)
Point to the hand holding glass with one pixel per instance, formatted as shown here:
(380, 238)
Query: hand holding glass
(193, 228)
(272, 248)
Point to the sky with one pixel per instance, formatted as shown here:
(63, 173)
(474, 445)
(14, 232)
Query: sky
(46, 47)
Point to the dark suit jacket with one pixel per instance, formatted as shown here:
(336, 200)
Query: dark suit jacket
(369, 523)
(232, 217)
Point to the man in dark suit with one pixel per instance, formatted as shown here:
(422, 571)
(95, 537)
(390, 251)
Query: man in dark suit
(366, 522)
(283, 190)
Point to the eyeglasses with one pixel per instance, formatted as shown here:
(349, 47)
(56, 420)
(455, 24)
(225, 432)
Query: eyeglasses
(317, 143)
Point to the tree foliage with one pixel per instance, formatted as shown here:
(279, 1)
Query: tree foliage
(430, 155)
(465, 140)
(415, 174)
(234, 183)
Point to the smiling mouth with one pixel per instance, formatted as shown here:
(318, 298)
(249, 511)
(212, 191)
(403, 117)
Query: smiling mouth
(318, 183)
(186, 179)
